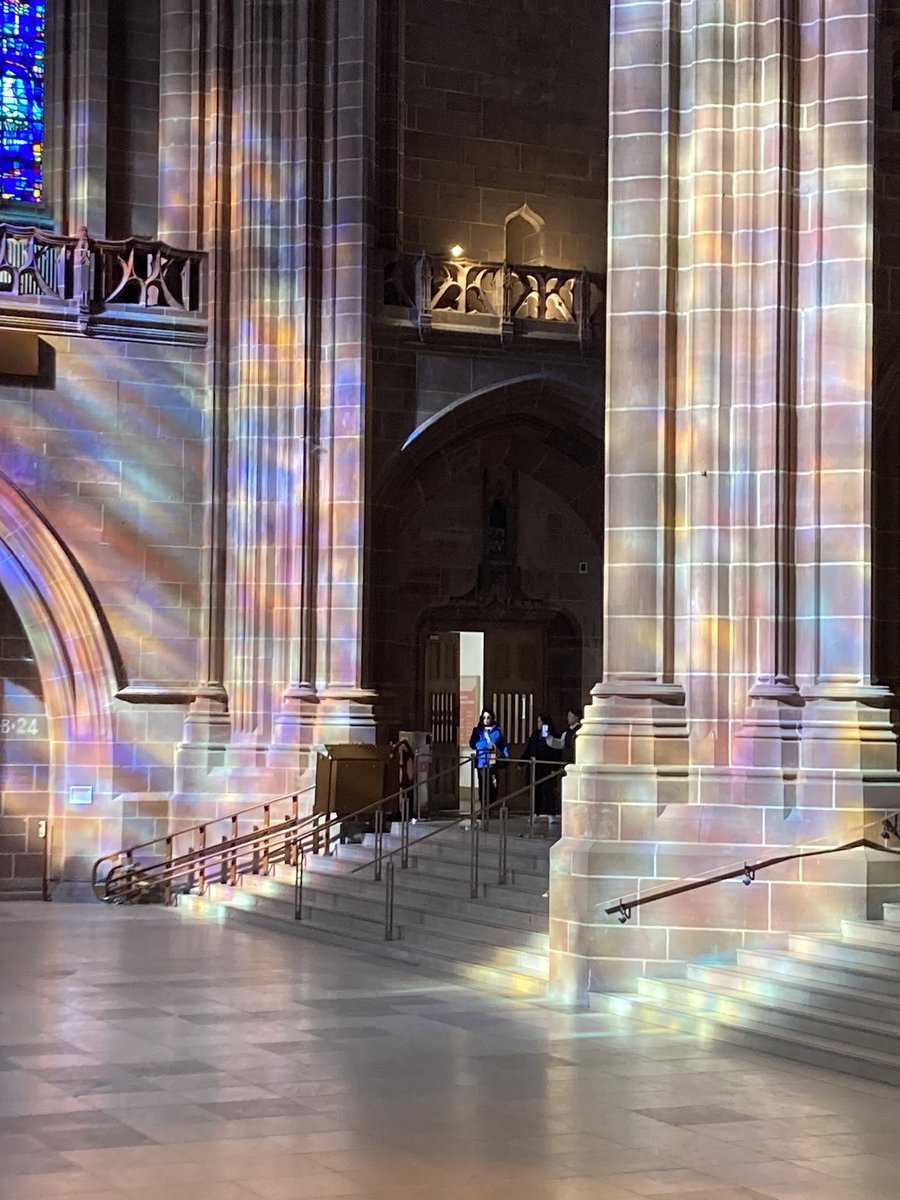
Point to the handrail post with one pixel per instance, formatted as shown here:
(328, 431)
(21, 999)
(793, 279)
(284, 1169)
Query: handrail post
(267, 821)
(223, 861)
(234, 853)
(299, 863)
(201, 863)
(167, 893)
(501, 853)
(190, 874)
(404, 830)
(531, 795)
(389, 902)
(472, 785)
(379, 840)
(486, 796)
(474, 825)
(254, 858)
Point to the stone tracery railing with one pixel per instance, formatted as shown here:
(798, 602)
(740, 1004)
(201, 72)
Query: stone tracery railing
(560, 299)
(94, 274)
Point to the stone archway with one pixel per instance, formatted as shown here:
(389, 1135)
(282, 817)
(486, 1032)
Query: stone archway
(534, 444)
(75, 659)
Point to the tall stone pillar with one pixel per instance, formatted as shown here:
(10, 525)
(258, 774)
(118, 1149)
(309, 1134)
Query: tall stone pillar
(737, 711)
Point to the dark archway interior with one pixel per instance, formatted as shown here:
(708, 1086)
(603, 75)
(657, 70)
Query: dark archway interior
(443, 559)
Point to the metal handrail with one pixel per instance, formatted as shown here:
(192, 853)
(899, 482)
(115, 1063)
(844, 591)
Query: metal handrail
(747, 871)
(478, 821)
(301, 835)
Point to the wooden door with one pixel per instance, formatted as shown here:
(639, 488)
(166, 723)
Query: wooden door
(514, 679)
(442, 715)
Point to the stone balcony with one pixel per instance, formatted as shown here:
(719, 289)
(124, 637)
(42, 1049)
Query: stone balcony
(503, 301)
(136, 289)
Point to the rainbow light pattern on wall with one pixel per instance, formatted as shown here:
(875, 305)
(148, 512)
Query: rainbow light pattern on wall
(22, 99)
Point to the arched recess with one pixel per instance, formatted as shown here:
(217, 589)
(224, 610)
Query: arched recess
(77, 666)
(432, 511)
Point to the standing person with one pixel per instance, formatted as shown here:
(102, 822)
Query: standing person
(566, 743)
(402, 754)
(546, 757)
(490, 747)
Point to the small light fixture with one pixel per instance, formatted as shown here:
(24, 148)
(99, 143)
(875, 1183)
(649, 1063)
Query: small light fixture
(624, 912)
(748, 876)
(456, 251)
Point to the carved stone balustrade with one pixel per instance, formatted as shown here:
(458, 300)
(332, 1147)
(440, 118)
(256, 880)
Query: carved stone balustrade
(504, 299)
(136, 288)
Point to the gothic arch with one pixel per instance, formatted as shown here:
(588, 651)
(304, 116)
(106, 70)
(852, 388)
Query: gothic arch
(73, 653)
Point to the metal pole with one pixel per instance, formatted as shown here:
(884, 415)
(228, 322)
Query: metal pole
(389, 902)
(379, 840)
(501, 853)
(486, 796)
(201, 874)
(404, 830)
(223, 864)
(267, 821)
(234, 854)
(299, 863)
(472, 785)
(167, 893)
(531, 802)
(474, 825)
(44, 835)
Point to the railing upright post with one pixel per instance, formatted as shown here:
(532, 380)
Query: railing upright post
(267, 821)
(379, 840)
(531, 796)
(233, 878)
(472, 785)
(389, 902)
(201, 863)
(190, 874)
(223, 861)
(501, 853)
(45, 860)
(474, 826)
(167, 891)
(404, 830)
(299, 863)
(254, 858)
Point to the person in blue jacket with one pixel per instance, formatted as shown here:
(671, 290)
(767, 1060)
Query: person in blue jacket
(490, 747)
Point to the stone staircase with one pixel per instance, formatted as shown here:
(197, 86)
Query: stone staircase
(830, 1001)
(498, 940)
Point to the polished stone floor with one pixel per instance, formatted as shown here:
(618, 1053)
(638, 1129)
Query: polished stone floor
(148, 1056)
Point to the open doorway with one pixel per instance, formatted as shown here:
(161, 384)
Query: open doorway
(501, 667)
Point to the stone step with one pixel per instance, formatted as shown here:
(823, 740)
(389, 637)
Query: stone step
(758, 1036)
(498, 973)
(481, 924)
(726, 1004)
(884, 934)
(448, 868)
(506, 896)
(820, 970)
(837, 949)
(416, 893)
(764, 985)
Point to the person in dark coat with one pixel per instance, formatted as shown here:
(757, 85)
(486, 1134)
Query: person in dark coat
(546, 805)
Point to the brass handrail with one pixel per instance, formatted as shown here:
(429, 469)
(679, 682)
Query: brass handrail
(300, 835)
(747, 871)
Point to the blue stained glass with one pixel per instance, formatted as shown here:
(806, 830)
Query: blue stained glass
(22, 99)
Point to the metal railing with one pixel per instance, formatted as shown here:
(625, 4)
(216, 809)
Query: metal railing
(383, 862)
(223, 860)
(748, 870)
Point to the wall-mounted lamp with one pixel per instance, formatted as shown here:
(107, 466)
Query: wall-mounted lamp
(456, 251)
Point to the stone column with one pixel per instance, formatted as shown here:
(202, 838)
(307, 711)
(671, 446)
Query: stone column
(86, 111)
(738, 484)
(349, 154)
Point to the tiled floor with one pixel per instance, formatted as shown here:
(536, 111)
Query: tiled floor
(147, 1056)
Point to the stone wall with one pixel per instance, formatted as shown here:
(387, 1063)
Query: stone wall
(505, 105)
(133, 134)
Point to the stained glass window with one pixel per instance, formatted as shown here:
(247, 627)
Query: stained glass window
(21, 99)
